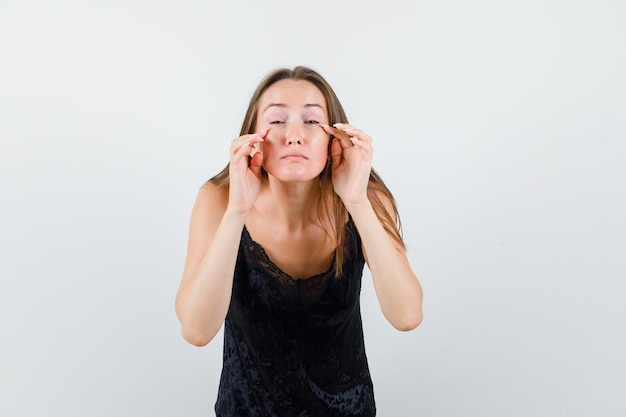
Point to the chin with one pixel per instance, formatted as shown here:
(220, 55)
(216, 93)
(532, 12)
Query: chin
(294, 172)
(294, 176)
(295, 179)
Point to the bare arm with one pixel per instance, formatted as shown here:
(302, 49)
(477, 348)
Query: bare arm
(397, 288)
(217, 220)
(205, 290)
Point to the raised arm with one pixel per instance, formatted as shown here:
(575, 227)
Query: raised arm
(397, 288)
(205, 289)
(217, 220)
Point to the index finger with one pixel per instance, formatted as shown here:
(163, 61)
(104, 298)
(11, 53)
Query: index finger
(344, 138)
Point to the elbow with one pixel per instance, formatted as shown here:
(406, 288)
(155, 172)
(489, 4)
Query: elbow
(405, 315)
(196, 333)
(408, 322)
(196, 338)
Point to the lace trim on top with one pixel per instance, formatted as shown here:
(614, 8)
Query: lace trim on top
(303, 291)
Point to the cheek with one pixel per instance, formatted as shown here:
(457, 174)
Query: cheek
(268, 146)
(323, 150)
(325, 145)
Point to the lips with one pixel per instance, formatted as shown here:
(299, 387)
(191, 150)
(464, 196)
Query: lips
(294, 155)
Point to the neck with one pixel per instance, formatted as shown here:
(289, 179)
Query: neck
(293, 203)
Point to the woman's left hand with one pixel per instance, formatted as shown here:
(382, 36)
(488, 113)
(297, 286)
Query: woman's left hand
(351, 158)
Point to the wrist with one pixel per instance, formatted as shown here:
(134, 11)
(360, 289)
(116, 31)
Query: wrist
(355, 207)
(234, 215)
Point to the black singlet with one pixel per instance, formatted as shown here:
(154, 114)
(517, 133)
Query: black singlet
(295, 348)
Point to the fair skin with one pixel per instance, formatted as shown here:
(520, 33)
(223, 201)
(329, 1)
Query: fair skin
(280, 212)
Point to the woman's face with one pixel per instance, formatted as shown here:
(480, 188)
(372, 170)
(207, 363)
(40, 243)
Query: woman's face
(296, 147)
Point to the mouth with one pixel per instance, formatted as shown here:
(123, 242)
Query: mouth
(294, 156)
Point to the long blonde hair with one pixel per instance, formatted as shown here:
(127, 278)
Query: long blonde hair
(330, 204)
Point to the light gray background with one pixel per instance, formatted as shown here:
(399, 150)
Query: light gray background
(499, 125)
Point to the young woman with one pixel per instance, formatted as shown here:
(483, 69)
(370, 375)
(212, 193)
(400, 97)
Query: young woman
(277, 245)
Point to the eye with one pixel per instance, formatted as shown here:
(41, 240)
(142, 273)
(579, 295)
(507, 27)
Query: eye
(276, 122)
(312, 122)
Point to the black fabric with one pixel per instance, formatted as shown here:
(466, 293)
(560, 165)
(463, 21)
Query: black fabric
(295, 347)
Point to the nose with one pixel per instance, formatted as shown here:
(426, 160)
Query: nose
(294, 135)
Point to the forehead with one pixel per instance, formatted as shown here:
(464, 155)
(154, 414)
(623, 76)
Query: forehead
(292, 93)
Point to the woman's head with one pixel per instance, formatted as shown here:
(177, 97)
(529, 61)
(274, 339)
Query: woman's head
(306, 101)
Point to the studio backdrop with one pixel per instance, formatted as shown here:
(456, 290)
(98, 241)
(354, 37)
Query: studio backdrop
(499, 126)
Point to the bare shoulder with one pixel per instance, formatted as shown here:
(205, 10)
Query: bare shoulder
(212, 198)
(208, 209)
(206, 216)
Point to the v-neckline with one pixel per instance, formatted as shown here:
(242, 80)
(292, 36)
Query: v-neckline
(330, 268)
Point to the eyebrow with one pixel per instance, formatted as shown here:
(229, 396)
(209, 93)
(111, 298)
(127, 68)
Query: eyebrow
(284, 105)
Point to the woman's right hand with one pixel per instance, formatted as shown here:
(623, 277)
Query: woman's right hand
(246, 160)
